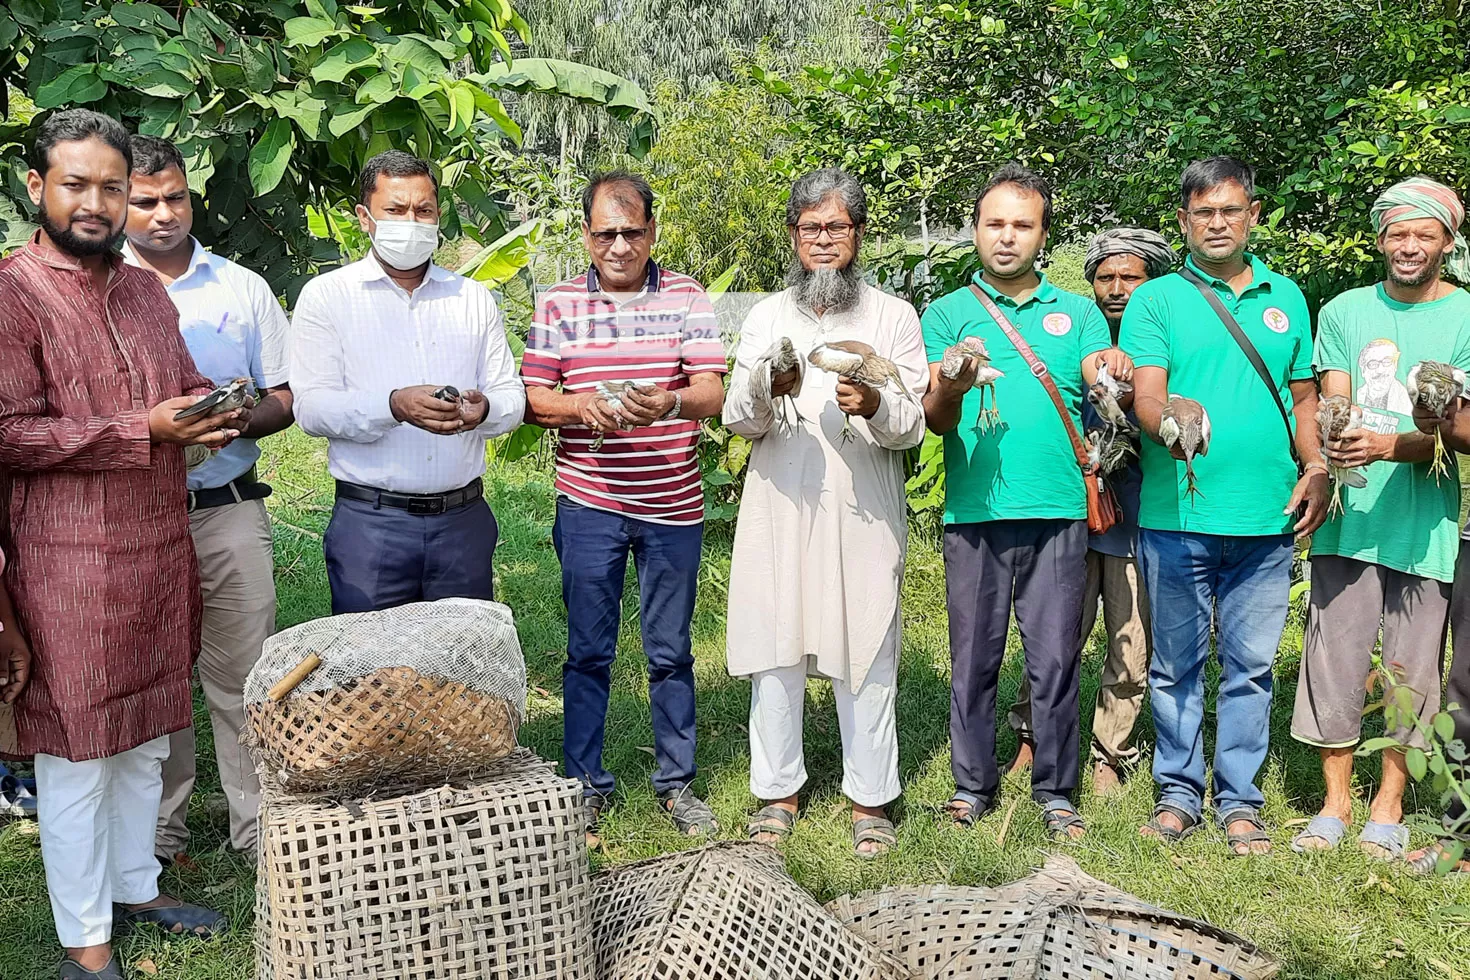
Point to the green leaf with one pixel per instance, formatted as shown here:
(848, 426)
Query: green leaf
(164, 83)
(304, 32)
(303, 110)
(1444, 726)
(348, 118)
(1417, 762)
(1378, 744)
(144, 17)
(520, 443)
(461, 107)
(413, 51)
(342, 59)
(499, 261)
(260, 69)
(378, 89)
(623, 98)
(270, 156)
(1363, 148)
(77, 85)
(723, 281)
(492, 107)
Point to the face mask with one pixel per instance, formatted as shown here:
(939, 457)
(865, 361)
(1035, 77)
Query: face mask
(404, 244)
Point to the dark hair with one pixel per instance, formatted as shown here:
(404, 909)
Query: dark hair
(74, 126)
(810, 190)
(1024, 178)
(1202, 175)
(392, 163)
(613, 180)
(152, 155)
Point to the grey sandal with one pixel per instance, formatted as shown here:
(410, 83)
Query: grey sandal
(72, 970)
(1428, 862)
(1257, 834)
(690, 814)
(965, 809)
(771, 820)
(1060, 817)
(873, 830)
(1323, 828)
(177, 921)
(1167, 834)
(1392, 839)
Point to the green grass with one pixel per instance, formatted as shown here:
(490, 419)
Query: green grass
(1327, 916)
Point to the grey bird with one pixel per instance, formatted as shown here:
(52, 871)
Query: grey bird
(858, 361)
(1436, 386)
(1104, 394)
(1186, 424)
(953, 364)
(447, 393)
(1337, 415)
(612, 392)
(778, 359)
(225, 398)
(1108, 448)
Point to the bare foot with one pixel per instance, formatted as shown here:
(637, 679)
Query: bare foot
(1024, 756)
(1105, 780)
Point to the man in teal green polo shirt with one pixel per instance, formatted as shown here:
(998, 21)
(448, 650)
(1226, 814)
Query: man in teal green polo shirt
(1389, 556)
(1224, 552)
(1015, 504)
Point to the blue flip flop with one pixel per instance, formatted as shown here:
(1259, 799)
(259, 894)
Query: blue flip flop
(1390, 837)
(1322, 827)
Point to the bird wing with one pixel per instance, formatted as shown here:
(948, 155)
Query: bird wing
(1169, 430)
(1204, 429)
(853, 347)
(829, 357)
(1413, 383)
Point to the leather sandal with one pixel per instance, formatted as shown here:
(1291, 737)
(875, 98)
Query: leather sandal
(72, 970)
(773, 821)
(1167, 834)
(873, 830)
(179, 921)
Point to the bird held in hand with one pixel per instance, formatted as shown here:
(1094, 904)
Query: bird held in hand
(225, 398)
(1436, 386)
(780, 358)
(1104, 394)
(1336, 415)
(952, 365)
(858, 361)
(612, 392)
(1108, 449)
(1185, 424)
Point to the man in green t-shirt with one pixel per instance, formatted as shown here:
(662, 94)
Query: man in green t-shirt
(1225, 552)
(1389, 557)
(1015, 509)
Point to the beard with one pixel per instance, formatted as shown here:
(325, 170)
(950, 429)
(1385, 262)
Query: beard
(75, 245)
(1427, 274)
(825, 289)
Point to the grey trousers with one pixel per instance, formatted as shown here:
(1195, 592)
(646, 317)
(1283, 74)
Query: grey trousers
(1348, 600)
(1039, 566)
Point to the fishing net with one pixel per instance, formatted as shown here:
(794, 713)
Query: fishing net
(1059, 924)
(432, 690)
(726, 911)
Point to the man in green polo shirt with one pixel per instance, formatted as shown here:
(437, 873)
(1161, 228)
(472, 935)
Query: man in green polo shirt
(1224, 552)
(1015, 505)
(1390, 555)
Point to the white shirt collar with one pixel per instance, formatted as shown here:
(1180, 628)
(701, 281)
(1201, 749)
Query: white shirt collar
(369, 269)
(198, 259)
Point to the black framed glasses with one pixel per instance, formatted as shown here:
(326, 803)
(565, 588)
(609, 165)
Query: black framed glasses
(1235, 214)
(633, 236)
(810, 231)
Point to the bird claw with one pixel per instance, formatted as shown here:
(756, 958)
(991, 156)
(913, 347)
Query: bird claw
(1440, 466)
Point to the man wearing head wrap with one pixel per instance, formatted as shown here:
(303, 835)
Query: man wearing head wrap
(1118, 261)
(1390, 556)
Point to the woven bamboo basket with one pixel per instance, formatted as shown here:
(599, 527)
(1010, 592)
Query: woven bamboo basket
(377, 728)
(1059, 924)
(727, 911)
(488, 880)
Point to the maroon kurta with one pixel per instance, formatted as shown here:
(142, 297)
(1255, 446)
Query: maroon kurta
(102, 569)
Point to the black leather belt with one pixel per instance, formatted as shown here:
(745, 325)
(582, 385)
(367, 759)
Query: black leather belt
(241, 488)
(414, 503)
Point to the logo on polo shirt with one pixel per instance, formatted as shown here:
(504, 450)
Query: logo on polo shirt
(1276, 319)
(1056, 324)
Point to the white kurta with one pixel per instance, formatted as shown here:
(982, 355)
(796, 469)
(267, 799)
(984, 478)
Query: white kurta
(819, 545)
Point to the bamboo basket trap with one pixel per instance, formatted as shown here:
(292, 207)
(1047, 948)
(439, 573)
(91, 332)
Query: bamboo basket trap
(429, 690)
(726, 911)
(487, 880)
(1059, 924)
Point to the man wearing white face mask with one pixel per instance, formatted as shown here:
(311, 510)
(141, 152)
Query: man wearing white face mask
(373, 346)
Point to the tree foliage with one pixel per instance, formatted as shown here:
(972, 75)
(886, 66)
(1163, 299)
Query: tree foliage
(1331, 100)
(276, 105)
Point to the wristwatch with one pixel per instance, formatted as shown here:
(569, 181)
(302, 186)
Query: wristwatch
(673, 413)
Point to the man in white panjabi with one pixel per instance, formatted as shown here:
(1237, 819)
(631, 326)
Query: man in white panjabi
(819, 545)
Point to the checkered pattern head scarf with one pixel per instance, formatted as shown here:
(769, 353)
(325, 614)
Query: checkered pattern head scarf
(1158, 256)
(1420, 197)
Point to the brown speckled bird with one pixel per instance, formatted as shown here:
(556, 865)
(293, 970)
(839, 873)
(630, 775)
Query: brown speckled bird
(1436, 386)
(953, 364)
(225, 398)
(1337, 415)
(858, 361)
(1186, 424)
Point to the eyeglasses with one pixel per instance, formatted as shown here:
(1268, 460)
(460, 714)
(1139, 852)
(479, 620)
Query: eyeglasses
(810, 232)
(1235, 214)
(633, 236)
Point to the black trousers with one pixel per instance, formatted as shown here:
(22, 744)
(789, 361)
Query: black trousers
(1457, 689)
(1040, 567)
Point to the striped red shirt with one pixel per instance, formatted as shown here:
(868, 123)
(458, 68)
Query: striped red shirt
(666, 333)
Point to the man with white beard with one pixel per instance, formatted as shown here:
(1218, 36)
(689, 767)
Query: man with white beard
(819, 546)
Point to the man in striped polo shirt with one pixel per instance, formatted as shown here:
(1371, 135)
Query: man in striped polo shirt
(627, 478)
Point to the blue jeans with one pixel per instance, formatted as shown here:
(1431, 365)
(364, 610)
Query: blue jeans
(1246, 582)
(593, 547)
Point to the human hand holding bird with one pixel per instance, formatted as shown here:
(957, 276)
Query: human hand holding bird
(966, 365)
(776, 376)
(1436, 387)
(1338, 422)
(857, 365)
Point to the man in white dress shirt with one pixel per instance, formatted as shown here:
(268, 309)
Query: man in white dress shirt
(374, 347)
(234, 327)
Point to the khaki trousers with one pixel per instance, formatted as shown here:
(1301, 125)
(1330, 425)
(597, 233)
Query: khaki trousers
(1125, 671)
(236, 573)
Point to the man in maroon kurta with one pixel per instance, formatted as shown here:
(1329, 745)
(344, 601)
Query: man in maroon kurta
(92, 371)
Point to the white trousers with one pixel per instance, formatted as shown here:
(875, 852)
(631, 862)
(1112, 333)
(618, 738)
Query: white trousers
(866, 718)
(97, 820)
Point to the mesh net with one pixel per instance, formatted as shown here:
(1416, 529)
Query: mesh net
(431, 689)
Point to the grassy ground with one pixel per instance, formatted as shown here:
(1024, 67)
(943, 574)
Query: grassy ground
(1326, 916)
